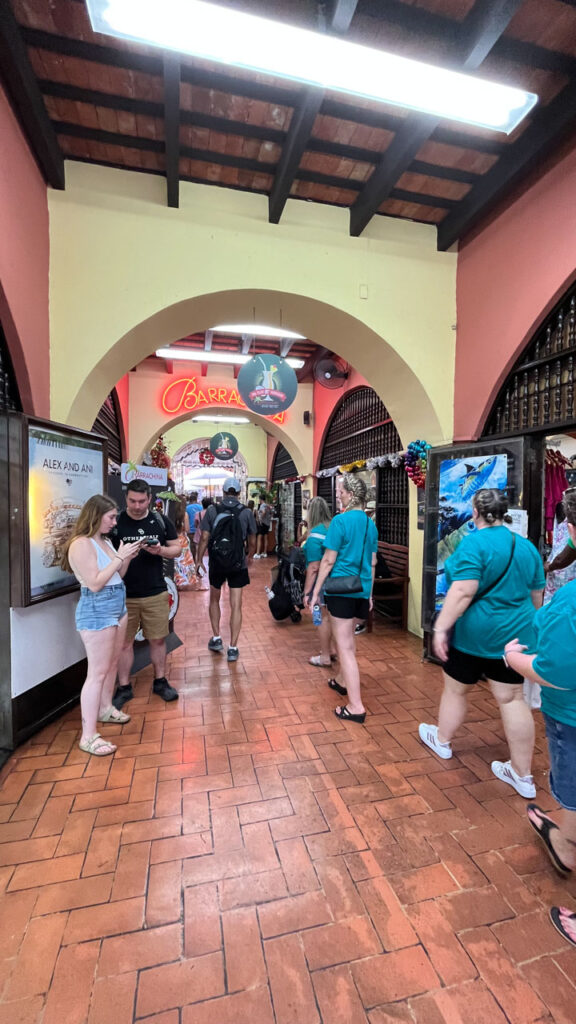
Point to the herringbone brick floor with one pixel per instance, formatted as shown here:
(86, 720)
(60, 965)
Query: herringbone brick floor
(245, 858)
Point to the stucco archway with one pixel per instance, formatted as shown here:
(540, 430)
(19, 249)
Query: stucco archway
(400, 388)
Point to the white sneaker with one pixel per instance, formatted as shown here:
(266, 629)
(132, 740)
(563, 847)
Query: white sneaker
(504, 771)
(429, 735)
(256, 556)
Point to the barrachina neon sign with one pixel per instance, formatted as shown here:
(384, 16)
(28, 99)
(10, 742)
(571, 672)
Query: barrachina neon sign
(184, 395)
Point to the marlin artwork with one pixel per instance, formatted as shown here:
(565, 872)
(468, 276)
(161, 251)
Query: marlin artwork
(476, 477)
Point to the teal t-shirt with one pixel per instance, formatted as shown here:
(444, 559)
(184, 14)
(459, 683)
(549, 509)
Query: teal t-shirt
(346, 536)
(314, 544)
(555, 627)
(507, 611)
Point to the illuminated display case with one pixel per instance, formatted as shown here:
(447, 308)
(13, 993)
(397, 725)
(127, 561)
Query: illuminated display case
(54, 469)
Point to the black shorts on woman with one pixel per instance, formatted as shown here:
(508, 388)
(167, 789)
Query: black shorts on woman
(470, 669)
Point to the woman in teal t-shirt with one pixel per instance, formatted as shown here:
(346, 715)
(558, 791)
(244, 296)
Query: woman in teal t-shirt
(319, 518)
(554, 667)
(496, 582)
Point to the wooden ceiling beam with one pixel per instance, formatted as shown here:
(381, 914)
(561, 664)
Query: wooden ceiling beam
(548, 128)
(172, 128)
(478, 32)
(302, 122)
(23, 90)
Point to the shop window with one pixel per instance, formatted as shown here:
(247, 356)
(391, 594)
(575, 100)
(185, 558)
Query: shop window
(361, 428)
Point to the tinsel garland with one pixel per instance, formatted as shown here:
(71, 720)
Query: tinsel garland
(392, 459)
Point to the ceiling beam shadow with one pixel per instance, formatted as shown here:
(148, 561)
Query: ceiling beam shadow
(22, 87)
(172, 128)
(478, 34)
(302, 123)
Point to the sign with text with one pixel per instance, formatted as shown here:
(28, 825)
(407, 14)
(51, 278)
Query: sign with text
(186, 394)
(153, 475)
(224, 446)
(268, 384)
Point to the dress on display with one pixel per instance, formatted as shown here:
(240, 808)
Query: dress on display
(184, 572)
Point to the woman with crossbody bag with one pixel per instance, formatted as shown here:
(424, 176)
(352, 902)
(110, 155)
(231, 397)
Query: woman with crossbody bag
(349, 561)
(496, 582)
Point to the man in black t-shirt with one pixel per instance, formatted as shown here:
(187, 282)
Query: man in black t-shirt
(146, 594)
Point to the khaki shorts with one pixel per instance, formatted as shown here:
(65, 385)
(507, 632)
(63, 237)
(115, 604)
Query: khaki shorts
(150, 613)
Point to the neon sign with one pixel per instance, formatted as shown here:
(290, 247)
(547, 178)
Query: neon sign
(184, 395)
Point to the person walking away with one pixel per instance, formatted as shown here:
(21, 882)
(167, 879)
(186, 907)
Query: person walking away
(264, 519)
(552, 667)
(146, 593)
(349, 551)
(319, 518)
(200, 569)
(225, 528)
(496, 581)
(184, 567)
(100, 614)
(192, 508)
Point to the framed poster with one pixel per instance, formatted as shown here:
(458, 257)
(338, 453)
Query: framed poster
(57, 470)
(453, 477)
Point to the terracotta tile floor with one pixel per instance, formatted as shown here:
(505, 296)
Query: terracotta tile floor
(245, 858)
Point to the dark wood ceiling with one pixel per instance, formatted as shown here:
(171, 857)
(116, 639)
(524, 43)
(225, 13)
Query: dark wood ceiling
(88, 97)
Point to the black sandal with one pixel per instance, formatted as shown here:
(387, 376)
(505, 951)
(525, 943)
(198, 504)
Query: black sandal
(334, 685)
(346, 716)
(547, 825)
(557, 914)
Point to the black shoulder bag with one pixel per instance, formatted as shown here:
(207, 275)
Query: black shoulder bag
(347, 584)
(479, 595)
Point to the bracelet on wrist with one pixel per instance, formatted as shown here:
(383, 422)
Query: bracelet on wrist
(505, 660)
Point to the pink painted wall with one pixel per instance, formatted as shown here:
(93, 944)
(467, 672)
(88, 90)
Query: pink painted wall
(509, 277)
(24, 264)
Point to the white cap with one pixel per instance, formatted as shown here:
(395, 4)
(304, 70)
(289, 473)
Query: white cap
(231, 484)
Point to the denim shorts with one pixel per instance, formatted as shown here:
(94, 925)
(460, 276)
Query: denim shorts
(101, 610)
(562, 752)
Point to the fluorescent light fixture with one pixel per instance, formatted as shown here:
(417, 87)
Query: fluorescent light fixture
(233, 37)
(220, 419)
(230, 358)
(257, 331)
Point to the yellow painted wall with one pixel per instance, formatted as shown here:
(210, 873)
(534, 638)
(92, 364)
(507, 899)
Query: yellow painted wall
(251, 441)
(127, 275)
(148, 418)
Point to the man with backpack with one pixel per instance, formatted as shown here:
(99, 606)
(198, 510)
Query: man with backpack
(146, 594)
(225, 529)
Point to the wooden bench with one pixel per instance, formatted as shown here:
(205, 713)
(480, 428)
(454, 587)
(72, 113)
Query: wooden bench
(392, 590)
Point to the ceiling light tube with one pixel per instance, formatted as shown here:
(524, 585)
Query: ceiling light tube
(228, 36)
(196, 355)
(257, 331)
(220, 419)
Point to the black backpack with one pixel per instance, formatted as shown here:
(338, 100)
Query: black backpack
(226, 544)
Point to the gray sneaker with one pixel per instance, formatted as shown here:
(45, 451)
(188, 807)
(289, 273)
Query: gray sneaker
(232, 654)
(215, 644)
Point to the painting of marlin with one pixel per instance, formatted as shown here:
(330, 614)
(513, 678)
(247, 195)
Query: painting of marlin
(476, 476)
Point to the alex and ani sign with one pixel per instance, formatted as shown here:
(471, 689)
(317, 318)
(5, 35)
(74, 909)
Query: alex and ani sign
(185, 395)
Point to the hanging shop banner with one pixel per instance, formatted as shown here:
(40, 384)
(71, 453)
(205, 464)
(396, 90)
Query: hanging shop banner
(223, 446)
(267, 384)
(153, 475)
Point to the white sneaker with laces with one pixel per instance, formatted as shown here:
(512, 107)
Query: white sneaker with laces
(504, 771)
(429, 735)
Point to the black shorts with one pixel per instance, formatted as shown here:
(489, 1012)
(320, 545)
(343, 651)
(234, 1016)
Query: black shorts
(347, 607)
(470, 669)
(261, 528)
(235, 580)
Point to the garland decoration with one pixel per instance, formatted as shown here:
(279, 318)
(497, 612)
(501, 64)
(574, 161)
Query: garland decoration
(392, 459)
(416, 460)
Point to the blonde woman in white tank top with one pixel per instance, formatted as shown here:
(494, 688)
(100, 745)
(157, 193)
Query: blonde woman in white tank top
(100, 614)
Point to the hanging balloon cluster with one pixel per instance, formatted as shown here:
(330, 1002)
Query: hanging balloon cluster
(415, 461)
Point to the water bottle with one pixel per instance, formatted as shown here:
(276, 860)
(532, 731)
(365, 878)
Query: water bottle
(317, 615)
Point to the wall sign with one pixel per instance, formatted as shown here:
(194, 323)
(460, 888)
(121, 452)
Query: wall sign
(186, 395)
(153, 475)
(267, 384)
(223, 445)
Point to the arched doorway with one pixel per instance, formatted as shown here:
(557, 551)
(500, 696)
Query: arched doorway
(289, 491)
(190, 473)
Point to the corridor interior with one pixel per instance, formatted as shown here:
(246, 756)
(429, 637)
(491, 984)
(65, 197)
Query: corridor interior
(246, 858)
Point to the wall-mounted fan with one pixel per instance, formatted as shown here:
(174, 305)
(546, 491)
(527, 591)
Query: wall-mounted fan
(330, 371)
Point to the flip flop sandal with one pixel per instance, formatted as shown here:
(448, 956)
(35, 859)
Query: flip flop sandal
(543, 833)
(112, 714)
(319, 664)
(561, 917)
(95, 746)
(346, 716)
(334, 685)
